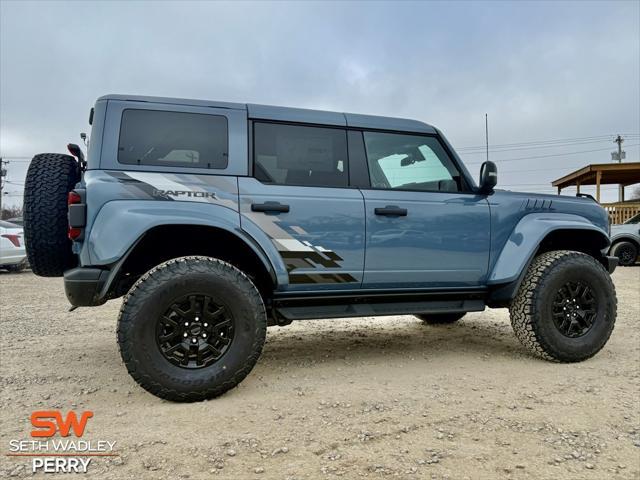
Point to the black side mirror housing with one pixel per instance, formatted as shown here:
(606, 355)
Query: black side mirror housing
(488, 177)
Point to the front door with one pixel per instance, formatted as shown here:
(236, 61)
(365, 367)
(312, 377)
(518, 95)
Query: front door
(424, 228)
(299, 196)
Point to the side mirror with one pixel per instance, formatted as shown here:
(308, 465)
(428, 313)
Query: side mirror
(488, 177)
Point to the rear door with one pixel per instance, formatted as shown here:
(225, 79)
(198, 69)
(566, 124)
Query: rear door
(424, 227)
(299, 195)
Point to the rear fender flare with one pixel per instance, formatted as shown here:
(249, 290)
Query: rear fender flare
(121, 224)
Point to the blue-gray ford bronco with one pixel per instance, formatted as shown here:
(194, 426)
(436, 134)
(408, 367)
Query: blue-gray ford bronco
(625, 241)
(215, 220)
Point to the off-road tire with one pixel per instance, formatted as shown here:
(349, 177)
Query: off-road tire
(626, 252)
(531, 310)
(50, 177)
(146, 301)
(440, 318)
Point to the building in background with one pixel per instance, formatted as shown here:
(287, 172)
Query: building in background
(623, 174)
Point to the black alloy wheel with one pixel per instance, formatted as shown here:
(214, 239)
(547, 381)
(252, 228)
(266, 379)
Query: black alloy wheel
(191, 328)
(627, 254)
(574, 309)
(565, 308)
(194, 331)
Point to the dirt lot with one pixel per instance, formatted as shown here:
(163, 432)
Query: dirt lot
(377, 398)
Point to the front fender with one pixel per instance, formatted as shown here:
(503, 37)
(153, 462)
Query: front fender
(625, 236)
(120, 224)
(525, 238)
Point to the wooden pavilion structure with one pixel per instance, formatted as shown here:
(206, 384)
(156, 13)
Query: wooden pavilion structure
(623, 174)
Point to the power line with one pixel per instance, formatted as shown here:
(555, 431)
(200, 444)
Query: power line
(533, 147)
(551, 155)
(540, 142)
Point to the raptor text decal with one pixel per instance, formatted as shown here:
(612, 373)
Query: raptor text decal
(185, 193)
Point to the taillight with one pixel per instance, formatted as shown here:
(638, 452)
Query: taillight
(15, 239)
(74, 233)
(73, 199)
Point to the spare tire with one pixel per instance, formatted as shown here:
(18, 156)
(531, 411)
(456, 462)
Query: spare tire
(50, 178)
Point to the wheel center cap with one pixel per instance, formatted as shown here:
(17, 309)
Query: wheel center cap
(195, 329)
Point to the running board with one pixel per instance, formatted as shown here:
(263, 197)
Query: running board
(308, 312)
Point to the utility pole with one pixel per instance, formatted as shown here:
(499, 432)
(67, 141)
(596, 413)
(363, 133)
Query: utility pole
(619, 156)
(3, 173)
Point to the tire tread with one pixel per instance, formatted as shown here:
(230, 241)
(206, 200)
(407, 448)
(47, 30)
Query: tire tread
(50, 177)
(135, 299)
(524, 308)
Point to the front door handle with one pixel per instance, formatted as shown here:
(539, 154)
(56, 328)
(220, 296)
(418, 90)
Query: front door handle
(269, 207)
(391, 211)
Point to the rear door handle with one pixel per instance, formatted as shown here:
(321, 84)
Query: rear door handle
(391, 211)
(269, 207)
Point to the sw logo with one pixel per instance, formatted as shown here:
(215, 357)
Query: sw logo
(57, 445)
(48, 422)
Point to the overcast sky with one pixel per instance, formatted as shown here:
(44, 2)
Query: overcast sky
(541, 70)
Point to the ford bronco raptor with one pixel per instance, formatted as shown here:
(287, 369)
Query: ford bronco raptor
(215, 220)
(625, 241)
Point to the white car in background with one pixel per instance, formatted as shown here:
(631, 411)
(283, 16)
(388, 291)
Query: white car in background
(13, 255)
(625, 241)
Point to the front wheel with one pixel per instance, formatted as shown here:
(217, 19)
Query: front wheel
(626, 253)
(191, 329)
(565, 308)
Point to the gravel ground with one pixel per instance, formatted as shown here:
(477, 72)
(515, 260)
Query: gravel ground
(376, 398)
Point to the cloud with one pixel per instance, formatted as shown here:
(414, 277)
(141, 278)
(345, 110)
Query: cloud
(540, 70)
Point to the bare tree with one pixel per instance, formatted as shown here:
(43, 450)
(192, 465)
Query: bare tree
(11, 212)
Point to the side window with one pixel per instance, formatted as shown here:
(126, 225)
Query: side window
(410, 162)
(155, 137)
(299, 155)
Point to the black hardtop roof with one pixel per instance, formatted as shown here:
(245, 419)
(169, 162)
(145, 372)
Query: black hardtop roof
(287, 114)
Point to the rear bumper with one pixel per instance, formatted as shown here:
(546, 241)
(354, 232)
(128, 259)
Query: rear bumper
(610, 263)
(13, 256)
(84, 285)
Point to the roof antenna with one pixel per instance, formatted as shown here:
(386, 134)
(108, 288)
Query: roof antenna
(486, 133)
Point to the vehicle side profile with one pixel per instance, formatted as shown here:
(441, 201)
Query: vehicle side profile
(625, 241)
(214, 220)
(12, 251)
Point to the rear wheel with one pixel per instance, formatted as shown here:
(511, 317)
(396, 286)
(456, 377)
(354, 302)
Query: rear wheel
(565, 309)
(50, 178)
(440, 318)
(626, 252)
(191, 329)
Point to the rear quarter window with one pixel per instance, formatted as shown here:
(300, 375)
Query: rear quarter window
(300, 155)
(162, 138)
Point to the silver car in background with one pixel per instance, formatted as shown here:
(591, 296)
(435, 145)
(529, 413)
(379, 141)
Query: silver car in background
(13, 256)
(625, 241)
